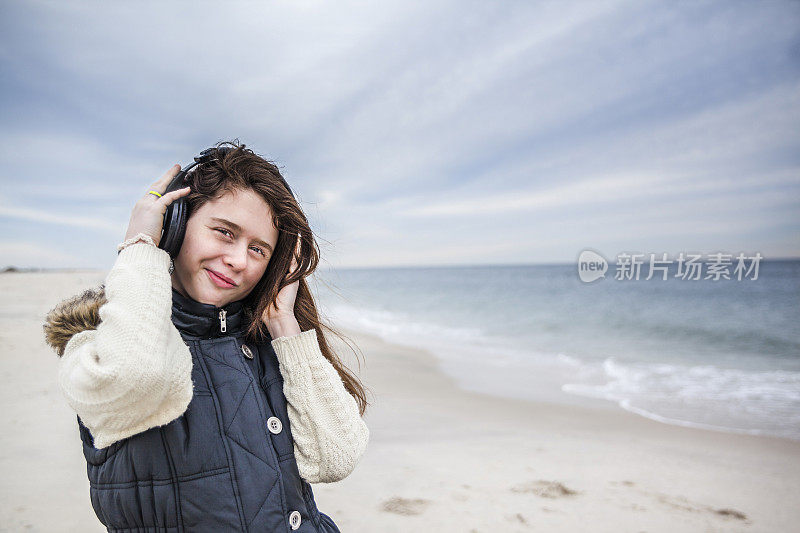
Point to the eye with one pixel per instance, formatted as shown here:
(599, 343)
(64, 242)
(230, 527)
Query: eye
(228, 234)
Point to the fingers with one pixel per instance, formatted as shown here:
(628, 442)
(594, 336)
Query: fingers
(174, 195)
(296, 254)
(161, 184)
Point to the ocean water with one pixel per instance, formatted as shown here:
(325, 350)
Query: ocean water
(717, 354)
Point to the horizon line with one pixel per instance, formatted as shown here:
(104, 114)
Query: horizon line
(11, 269)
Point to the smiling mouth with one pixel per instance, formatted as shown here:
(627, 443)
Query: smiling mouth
(219, 281)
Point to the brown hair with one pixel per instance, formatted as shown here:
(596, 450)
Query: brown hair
(240, 168)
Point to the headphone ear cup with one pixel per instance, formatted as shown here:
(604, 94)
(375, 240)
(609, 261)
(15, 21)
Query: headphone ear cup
(174, 226)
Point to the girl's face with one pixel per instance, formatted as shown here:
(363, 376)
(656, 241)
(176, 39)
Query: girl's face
(227, 246)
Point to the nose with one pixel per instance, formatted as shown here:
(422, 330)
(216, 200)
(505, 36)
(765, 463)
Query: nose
(236, 258)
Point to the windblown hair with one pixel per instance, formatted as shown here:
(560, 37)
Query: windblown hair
(240, 169)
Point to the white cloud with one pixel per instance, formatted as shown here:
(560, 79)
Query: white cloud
(44, 217)
(26, 254)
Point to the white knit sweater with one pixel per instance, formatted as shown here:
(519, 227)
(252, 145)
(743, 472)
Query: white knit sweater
(134, 372)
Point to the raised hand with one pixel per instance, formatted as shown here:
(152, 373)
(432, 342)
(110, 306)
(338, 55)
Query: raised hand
(147, 215)
(279, 316)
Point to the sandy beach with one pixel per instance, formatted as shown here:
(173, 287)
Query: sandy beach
(439, 459)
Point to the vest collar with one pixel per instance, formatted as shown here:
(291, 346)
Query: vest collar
(205, 320)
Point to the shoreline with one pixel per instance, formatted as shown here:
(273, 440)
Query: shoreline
(582, 403)
(524, 464)
(550, 390)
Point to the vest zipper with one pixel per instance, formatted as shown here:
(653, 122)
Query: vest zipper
(223, 325)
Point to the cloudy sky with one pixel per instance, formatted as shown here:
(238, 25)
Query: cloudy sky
(415, 133)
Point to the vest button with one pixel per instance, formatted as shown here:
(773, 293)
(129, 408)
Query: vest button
(295, 519)
(247, 351)
(274, 425)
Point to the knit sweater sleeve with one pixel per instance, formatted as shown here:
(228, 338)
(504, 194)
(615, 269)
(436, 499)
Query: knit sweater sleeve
(134, 371)
(328, 432)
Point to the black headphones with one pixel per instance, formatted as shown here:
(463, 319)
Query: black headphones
(177, 214)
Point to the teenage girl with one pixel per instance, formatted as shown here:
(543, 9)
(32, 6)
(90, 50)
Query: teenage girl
(208, 398)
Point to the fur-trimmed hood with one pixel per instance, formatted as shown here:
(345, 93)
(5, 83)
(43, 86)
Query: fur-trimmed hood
(73, 315)
(82, 312)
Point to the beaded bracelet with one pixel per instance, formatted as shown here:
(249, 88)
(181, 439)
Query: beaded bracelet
(133, 240)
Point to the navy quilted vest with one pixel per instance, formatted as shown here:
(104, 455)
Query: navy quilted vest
(221, 466)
